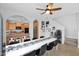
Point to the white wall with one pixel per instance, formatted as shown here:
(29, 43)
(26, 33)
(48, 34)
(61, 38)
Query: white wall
(70, 24)
(29, 11)
(77, 17)
(0, 34)
(58, 26)
(39, 18)
(10, 12)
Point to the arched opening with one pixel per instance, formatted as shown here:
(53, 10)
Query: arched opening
(17, 30)
(35, 29)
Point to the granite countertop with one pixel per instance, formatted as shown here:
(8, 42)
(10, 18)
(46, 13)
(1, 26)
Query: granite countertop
(26, 47)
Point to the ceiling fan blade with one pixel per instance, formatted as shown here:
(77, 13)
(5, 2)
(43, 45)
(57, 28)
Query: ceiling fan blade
(43, 12)
(55, 9)
(40, 9)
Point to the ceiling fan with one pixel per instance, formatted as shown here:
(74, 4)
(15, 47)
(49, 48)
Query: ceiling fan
(49, 9)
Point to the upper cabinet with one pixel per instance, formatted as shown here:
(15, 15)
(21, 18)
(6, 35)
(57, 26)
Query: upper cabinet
(10, 25)
(17, 25)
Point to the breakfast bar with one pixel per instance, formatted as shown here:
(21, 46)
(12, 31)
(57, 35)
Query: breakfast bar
(27, 47)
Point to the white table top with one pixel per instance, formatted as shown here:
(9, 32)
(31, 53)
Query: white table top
(29, 48)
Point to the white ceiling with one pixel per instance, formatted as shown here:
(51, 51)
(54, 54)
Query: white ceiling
(28, 9)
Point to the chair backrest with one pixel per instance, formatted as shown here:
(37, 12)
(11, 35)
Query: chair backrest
(58, 34)
(50, 46)
(55, 43)
(59, 41)
(43, 49)
(26, 40)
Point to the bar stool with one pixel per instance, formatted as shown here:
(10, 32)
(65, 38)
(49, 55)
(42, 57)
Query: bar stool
(50, 46)
(26, 40)
(42, 50)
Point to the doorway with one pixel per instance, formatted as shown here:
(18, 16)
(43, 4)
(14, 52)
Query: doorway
(35, 29)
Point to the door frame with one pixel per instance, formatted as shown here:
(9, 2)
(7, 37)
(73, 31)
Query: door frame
(36, 24)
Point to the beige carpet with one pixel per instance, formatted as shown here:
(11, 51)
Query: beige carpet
(67, 49)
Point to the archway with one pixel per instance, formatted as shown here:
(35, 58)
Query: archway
(17, 28)
(35, 29)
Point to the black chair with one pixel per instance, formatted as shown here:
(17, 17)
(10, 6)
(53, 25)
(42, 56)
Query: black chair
(33, 53)
(42, 50)
(58, 41)
(11, 43)
(26, 40)
(16, 42)
(55, 43)
(58, 34)
(50, 46)
(34, 38)
(3, 49)
(41, 36)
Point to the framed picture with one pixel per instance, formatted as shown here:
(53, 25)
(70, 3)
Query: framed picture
(47, 23)
(43, 25)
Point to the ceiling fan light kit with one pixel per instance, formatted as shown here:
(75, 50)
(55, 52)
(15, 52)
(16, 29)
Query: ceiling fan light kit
(49, 9)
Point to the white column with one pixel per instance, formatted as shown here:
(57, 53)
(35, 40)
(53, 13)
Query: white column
(4, 30)
(31, 30)
(1, 35)
(78, 29)
(63, 36)
(78, 39)
(39, 29)
(46, 31)
(77, 18)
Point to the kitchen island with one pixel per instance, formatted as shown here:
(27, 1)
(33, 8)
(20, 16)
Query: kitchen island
(27, 47)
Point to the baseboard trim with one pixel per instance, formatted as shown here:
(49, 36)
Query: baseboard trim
(72, 38)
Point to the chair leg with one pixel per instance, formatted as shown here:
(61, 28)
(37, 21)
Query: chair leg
(45, 54)
(50, 52)
(56, 48)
